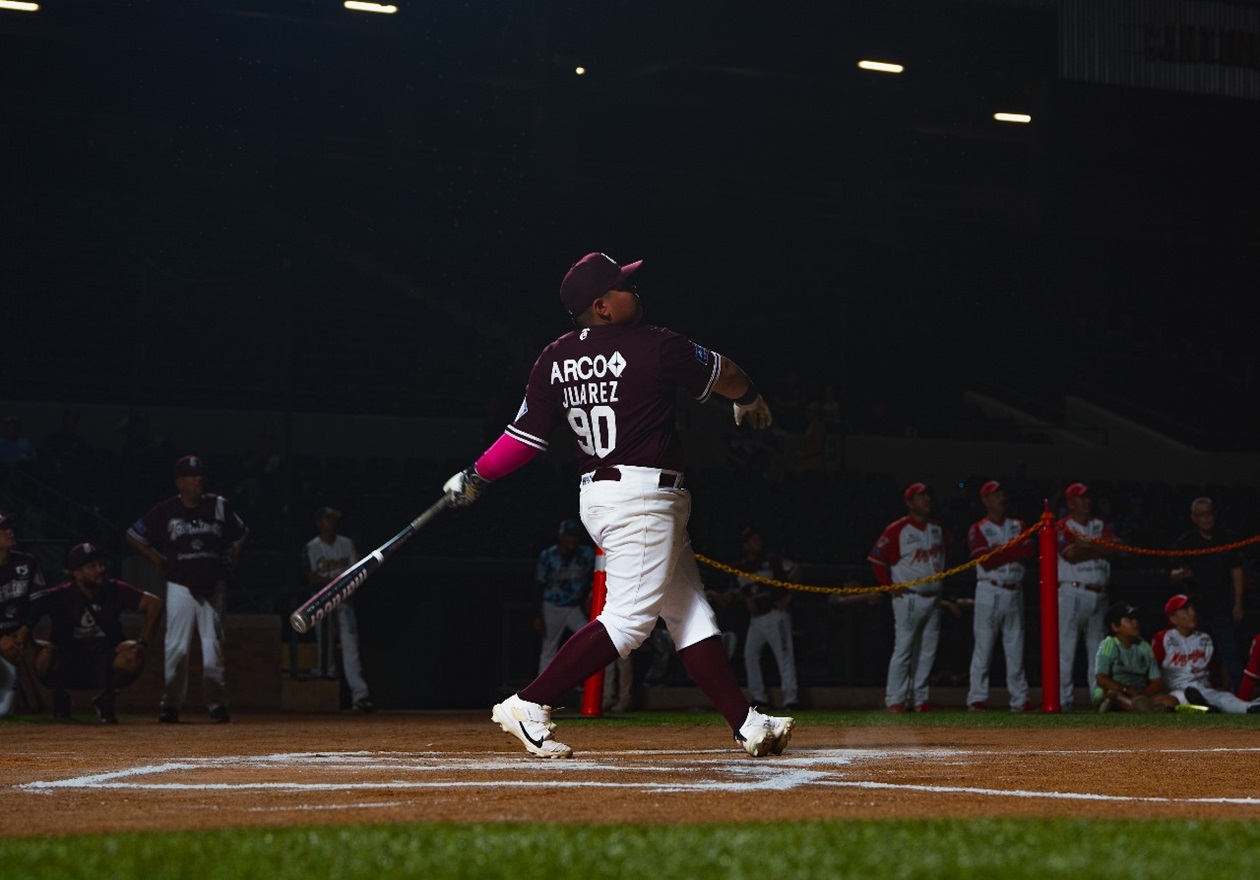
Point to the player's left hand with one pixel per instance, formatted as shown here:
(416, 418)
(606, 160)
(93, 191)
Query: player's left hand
(465, 487)
(758, 413)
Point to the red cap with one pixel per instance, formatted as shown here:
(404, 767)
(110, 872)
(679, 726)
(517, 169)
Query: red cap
(1076, 490)
(1176, 603)
(914, 489)
(990, 487)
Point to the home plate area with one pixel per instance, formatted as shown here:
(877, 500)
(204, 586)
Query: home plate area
(379, 781)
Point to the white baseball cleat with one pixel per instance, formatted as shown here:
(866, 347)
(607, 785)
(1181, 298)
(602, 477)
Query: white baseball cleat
(762, 735)
(530, 723)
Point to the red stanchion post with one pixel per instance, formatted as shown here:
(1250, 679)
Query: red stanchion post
(1048, 546)
(593, 690)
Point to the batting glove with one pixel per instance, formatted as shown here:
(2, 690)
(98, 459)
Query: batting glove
(465, 487)
(758, 413)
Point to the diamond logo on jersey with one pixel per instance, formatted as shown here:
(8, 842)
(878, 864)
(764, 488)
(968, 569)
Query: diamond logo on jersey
(702, 354)
(616, 364)
(520, 412)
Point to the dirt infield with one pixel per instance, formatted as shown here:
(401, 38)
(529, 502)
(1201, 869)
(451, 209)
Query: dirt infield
(276, 770)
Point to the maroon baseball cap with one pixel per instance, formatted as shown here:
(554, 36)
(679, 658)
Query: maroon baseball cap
(1076, 490)
(1176, 603)
(81, 554)
(914, 489)
(190, 466)
(989, 488)
(590, 278)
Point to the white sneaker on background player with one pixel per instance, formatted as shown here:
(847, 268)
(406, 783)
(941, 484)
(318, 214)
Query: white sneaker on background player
(530, 723)
(762, 735)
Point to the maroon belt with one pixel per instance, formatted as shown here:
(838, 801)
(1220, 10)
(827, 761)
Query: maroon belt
(1093, 588)
(667, 480)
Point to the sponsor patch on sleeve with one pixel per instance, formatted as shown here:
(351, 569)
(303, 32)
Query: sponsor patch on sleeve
(524, 409)
(702, 354)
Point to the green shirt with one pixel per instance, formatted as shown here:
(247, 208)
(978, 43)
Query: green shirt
(1133, 666)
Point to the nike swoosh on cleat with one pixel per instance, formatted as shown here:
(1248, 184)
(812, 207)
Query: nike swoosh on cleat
(525, 733)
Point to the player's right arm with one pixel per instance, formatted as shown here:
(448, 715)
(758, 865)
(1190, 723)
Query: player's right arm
(733, 384)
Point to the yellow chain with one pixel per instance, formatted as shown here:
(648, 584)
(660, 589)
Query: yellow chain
(787, 585)
(1022, 536)
(1144, 551)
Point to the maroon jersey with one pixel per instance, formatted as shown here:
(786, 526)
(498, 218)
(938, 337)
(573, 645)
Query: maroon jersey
(193, 540)
(614, 386)
(19, 578)
(83, 624)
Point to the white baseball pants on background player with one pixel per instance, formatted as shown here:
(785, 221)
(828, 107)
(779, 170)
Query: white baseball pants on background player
(998, 609)
(557, 619)
(184, 614)
(347, 623)
(651, 569)
(916, 633)
(1081, 612)
(1223, 700)
(8, 685)
(773, 628)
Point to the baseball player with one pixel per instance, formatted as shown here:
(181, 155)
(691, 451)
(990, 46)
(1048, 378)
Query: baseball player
(190, 538)
(1128, 677)
(613, 381)
(87, 647)
(769, 623)
(19, 578)
(1184, 653)
(1083, 576)
(999, 603)
(563, 573)
(324, 557)
(910, 548)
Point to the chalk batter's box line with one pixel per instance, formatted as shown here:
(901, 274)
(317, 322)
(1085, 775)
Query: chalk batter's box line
(802, 769)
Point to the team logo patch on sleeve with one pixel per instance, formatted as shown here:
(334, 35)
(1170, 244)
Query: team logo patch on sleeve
(702, 354)
(524, 409)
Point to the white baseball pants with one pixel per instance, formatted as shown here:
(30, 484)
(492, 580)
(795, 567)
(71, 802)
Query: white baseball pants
(774, 628)
(916, 633)
(998, 610)
(1081, 613)
(187, 615)
(651, 568)
(557, 619)
(348, 635)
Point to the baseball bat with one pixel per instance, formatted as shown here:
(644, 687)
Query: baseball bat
(340, 588)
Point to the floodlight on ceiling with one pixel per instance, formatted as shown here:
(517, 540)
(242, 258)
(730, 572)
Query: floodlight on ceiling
(881, 66)
(1023, 118)
(359, 6)
(579, 70)
(17, 6)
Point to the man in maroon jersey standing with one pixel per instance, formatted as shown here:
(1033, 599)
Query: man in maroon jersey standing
(191, 538)
(612, 380)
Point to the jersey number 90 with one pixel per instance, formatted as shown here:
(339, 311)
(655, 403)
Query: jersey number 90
(596, 431)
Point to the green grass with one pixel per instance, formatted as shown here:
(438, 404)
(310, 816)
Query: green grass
(1004, 848)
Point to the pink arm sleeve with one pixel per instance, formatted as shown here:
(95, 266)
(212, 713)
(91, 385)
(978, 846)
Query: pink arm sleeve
(504, 456)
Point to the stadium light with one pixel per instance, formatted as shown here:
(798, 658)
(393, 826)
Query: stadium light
(881, 66)
(1012, 117)
(16, 6)
(580, 70)
(358, 6)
